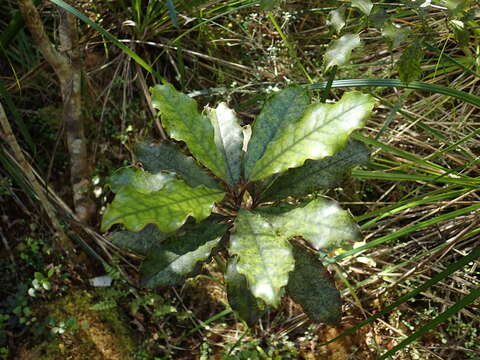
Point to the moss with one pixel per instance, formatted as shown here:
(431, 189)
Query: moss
(106, 337)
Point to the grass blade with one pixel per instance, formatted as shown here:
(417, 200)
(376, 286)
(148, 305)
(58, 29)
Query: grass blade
(109, 36)
(475, 254)
(459, 305)
(416, 85)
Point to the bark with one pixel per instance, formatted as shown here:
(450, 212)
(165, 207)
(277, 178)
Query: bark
(67, 64)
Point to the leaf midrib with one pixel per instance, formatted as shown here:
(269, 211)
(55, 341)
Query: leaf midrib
(302, 138)
(124, 215)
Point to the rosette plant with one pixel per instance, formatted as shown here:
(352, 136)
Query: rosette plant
(244, 200)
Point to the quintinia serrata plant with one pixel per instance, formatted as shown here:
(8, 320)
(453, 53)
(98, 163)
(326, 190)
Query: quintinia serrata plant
(256, 211)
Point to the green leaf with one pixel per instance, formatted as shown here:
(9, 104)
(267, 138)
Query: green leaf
(167, 156)
(268, 4)
(321, 132)
(239, 295)
(336, 18)
(283, 108)
(409, 65)
(339, 51)
(317, 174)
(265, 257)
(178, 257)
(168, 207)
(364, 6)
(455, 7)
(395, 34)
(142, 181)
(461, 32)
(182, 120)
(309, 286)
(322, 222)
(229, 139)
(139, 242)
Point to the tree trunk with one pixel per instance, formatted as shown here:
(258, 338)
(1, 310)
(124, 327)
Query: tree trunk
(67, 64)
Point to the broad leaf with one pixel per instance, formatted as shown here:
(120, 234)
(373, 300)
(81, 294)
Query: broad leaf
(322, 222)
(175, 259)
(395, 33)
(339, 51)
(409, 65)
(364, 6)
(139, 242)
(167, 156)
(239, 296)
(229, 139)
(321, 132)
(183, 121)
(317, 174)
(309, 286)
(285, 107)
(168, 207)
(265, 256)
(336, 18)
(141, 180)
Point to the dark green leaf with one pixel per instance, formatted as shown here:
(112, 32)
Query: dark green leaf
(239, 296)
(265, 256)
(317, 174)
(139, 242)
(409, 65)
(172, 13)
(229, 139)
(184, 122)
(283, 108)
(168, 207)
(167, 156)
(309, 286)
(322, 131)
(178, 257)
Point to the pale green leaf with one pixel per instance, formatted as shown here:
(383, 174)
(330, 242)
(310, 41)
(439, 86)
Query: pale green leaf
(178, 257)
(309, 286)
(336, 19)
(364, 6)
(183, 121)
(317, 174)
(409, 65)
(321, 132)
(455, 7)
(139, 242)
(395, 34)
(168, 207)
(167, 156)
(265, 257)
(339, 51)
(229, 139)
(283, 108)
(239, 295)
(142, 181)
(322, 222)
